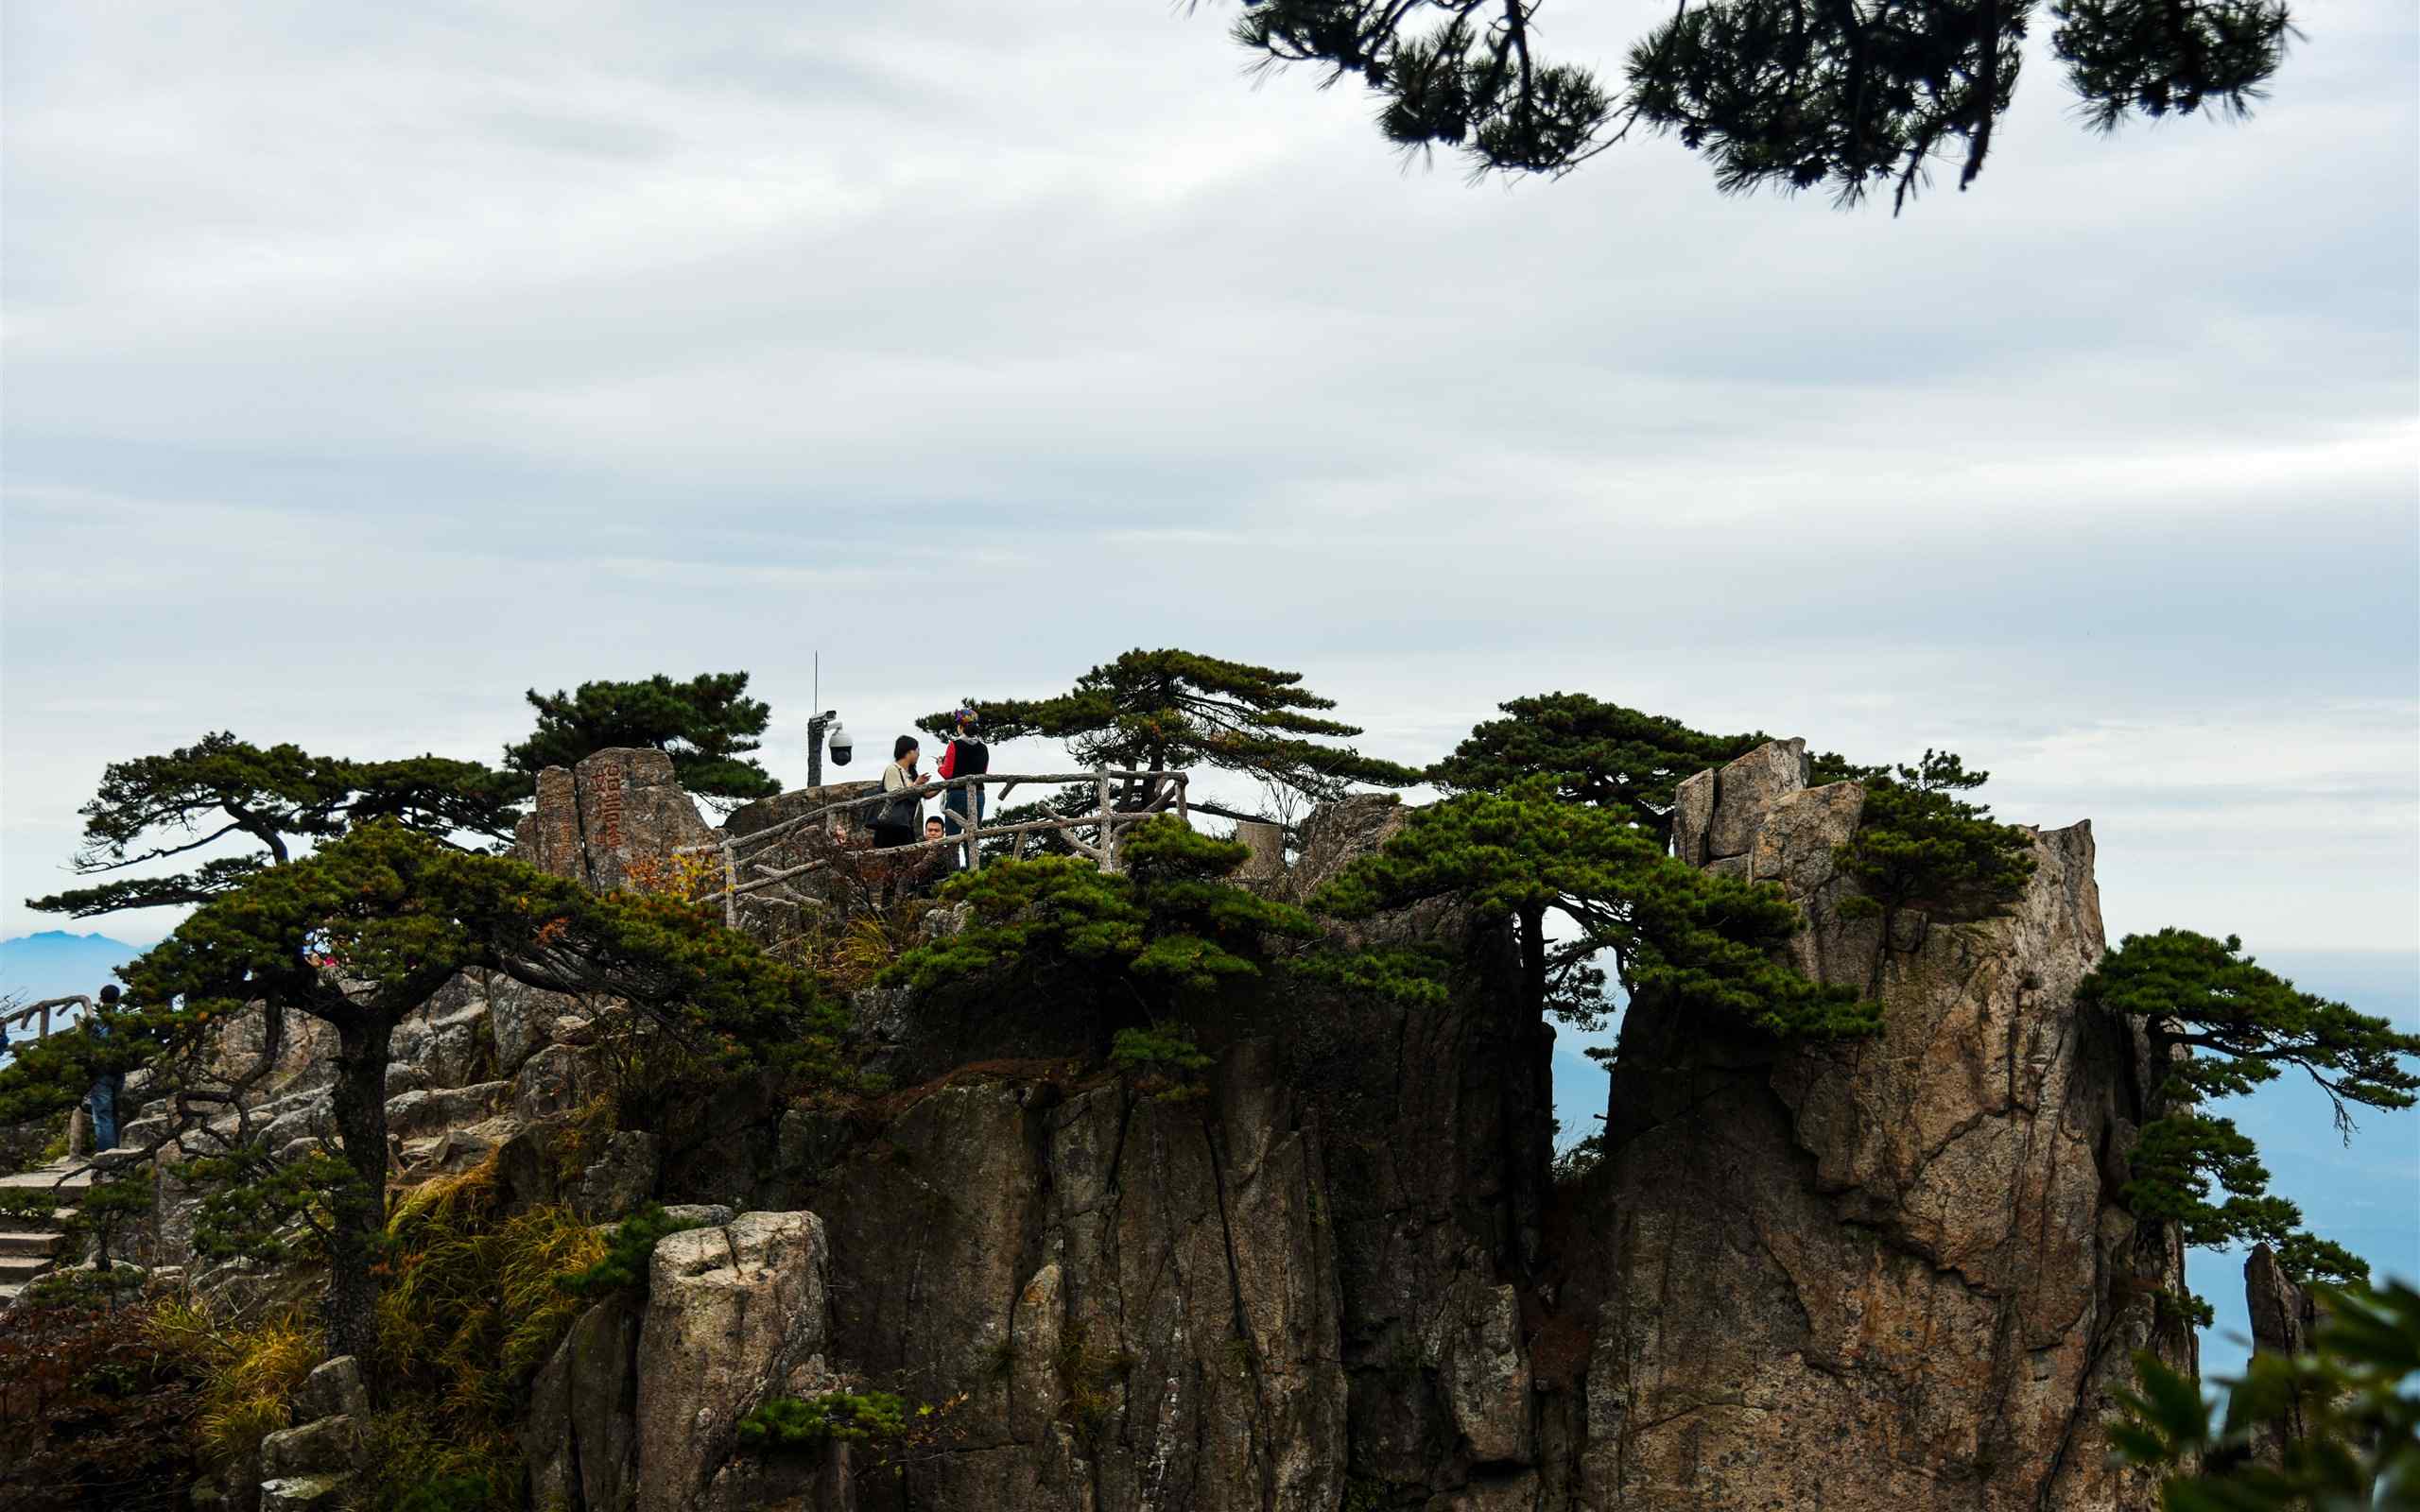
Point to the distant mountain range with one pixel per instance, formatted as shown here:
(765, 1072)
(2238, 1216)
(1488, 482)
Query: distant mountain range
(54, 962)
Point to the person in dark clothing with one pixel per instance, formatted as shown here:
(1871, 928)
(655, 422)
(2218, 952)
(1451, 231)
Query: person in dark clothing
(896, 819)
(964, 756)
(103, 1101)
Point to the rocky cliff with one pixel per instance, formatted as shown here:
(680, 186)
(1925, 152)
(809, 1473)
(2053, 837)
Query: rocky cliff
(1893, 1271)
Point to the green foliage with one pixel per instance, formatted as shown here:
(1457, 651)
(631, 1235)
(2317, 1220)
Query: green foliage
(707, 724)
(153, 808)
(1595, 752)
(474, 1302)
(82, 1286)
(2243, 1025)
(249, 1372)
(1776, 92)
(104, 1213)
(1917, 843)
(1700, 941)
(2346, 1416)
(417, 1462)
(1163, 1062)
(46, 1078)
(1161, 710)
(257, 1207)
(2246, 1024)
(2177, 1162)
(623, 1268)
(835, 1417)
(1412, 976)
(1161, 939)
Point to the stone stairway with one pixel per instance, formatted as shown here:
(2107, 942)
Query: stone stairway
(30, 1246)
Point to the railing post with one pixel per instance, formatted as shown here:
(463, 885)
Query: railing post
(1108, 825)
(730, 887)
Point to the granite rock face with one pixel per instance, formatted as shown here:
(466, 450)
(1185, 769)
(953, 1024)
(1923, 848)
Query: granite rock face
(581, 1437)
(592, 823)
(1892, 1271)
(2284, 1318)
(732, 1312)
(1137, 1298)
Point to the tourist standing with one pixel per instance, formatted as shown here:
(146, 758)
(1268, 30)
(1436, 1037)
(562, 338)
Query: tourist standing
(103, 1101)
(964, 756)
(897, 819)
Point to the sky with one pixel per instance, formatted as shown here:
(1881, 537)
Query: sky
(368, 365)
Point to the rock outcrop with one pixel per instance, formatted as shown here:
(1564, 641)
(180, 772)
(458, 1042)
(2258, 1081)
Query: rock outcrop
(1890, 1272)
(733, 1314)
(1852, 1276)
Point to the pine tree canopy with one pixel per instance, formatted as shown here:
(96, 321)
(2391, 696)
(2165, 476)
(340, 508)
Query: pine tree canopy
(1166, 709)
(1595, 752)
(153, 808)
(1919, 844)
(1792, 95)
(706, 725)
(1158, 940)
(2246, 1023)
(2242, 1025)
(1695, 939)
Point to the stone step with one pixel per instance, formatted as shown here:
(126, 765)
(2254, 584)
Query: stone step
(30, 1243)
(15, 1270)
(48, 1176)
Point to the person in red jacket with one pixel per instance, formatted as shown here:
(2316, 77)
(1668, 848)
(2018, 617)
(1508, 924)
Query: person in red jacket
(964, 756)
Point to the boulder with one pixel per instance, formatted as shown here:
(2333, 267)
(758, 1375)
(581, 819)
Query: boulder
(521, 1019)
(303, 1493)
(1746, 787)
(617, 1180)
(2284, 1318)
(617, 808)
(558, 1080)
(1692, 812)
(324, 1446)
(334, 1389)
(580, 1436)
(1474, 1344)
(732, 1312)
(439, 1109)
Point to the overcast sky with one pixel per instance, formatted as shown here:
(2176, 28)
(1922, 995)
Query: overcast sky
(369, 364)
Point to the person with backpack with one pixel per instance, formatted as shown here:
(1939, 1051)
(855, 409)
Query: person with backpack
(897, 817)
(964, 756)
(101, 1103)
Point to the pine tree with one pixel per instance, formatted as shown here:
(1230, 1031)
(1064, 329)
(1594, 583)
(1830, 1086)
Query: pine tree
(280, 798)
(1918, 844)
(1699, 940)
(1169, 710)
(1595, 752)
(1158, 939)
(2241, 1025)
(1792, 95)
(360, 934)
(706, 725)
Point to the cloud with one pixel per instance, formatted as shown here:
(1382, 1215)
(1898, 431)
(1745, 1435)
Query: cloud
(368, 365)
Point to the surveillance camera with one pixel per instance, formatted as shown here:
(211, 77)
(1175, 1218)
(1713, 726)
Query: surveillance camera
(841, 748)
